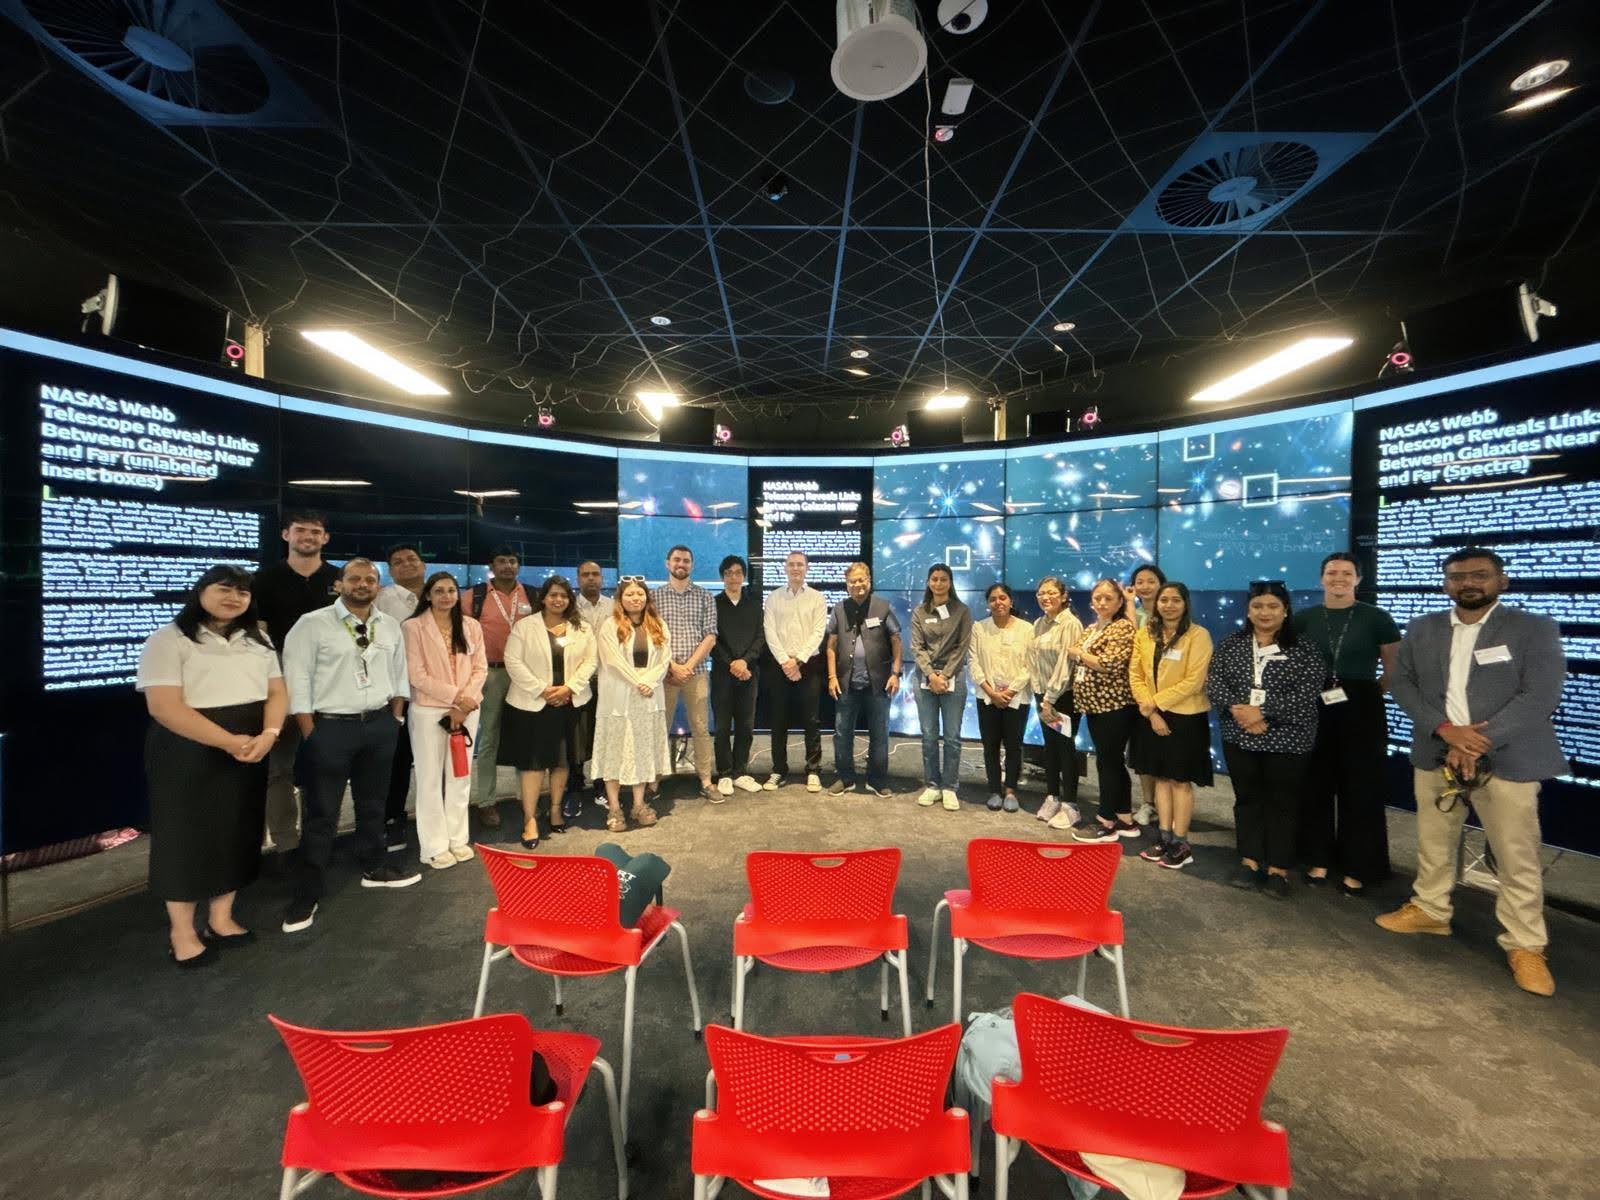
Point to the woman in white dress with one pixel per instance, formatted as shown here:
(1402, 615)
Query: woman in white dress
(630, 734)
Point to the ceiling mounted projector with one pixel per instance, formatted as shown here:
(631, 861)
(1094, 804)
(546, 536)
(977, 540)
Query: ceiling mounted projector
(881, 51)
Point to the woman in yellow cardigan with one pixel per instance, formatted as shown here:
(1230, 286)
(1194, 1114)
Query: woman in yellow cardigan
(1172, 743)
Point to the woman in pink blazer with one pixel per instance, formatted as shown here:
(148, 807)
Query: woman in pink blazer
(447, 666)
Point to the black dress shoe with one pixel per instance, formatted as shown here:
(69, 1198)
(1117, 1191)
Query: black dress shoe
(204, 958)
(1316, 881)
(1276, 887)
(1246, 878)
(225, 940)
(1346, 890)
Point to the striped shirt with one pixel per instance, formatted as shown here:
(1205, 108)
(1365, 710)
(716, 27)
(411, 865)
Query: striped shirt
(690, 617)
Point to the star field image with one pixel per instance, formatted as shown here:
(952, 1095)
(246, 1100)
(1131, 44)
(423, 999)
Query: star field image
(1222, 546)
(652, 486)
(1081, 547)
(903, 550)
(1257, 463)
(922, 488)
(1071, 477)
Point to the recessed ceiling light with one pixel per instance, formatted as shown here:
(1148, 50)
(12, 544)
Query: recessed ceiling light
(1064, 326)
(858, 354)
(1539, 99)
(1538, 76)
(363, 354)
(1301, 354)
(945, 402)
(660, 320)
(852, 417)
(857, 371)
(654, 402)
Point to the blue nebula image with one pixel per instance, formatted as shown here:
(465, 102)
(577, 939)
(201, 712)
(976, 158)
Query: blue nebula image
(903, 550)
(1258, 460)
(643, 542)
(653, 486)
(1223, 545)
(947, 488)
(1108, 473)
(1081, 547)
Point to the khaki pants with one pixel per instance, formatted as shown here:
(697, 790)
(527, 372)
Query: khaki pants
(695, 691)
(486, 747)
(1510, 815)
(283, 804)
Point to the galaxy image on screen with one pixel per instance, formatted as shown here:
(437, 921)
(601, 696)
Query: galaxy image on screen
(655, 485)
(1116, 473)
(964, 486)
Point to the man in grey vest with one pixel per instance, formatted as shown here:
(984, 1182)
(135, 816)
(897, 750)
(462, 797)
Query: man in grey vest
(863, 673)
(1481, 684)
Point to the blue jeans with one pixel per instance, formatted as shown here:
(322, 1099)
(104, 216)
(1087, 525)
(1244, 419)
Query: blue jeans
(876, 705)
(932, 709)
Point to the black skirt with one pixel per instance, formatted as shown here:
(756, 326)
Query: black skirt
(1183, 756)
(207, 809)
(543, 740)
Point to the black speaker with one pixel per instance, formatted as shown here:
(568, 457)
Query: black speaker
(1488, 322)
(687, 427)
(1052, 422)
(145, 315)
(940, 428)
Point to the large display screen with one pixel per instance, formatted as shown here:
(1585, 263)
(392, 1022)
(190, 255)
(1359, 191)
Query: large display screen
(825, 512)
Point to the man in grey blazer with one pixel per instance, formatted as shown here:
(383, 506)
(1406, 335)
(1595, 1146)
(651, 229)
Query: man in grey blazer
(1481, 684)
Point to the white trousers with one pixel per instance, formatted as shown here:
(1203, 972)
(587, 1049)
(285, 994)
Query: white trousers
(442, 798)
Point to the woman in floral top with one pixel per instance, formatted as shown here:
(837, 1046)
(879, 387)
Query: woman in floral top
(1100, 691)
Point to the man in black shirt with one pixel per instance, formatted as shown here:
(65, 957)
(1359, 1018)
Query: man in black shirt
(284, 592)
(735, 677)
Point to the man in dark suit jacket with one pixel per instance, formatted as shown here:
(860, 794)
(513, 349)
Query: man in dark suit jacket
(1481, 684)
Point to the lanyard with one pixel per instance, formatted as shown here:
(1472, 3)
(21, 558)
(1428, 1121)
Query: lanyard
(510, 616)
(1335, 646)
(1261, 660)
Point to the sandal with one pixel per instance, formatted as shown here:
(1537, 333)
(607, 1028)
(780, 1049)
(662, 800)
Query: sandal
(644, 815)
(616, 822)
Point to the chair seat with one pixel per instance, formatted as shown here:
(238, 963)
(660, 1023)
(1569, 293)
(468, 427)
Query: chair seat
(421, 1183)
(843, 1187)
(653, 923)
(820, 958)
(1025, 945)
(1195, 1185)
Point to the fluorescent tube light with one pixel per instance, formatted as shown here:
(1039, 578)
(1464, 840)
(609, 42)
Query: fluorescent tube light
(1539, 99)
(945, 402)
(369, 358)
(654, 403)
(1285, 362)
(330, 483)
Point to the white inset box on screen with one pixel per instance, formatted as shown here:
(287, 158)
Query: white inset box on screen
(1259, 491)
(1199, 447)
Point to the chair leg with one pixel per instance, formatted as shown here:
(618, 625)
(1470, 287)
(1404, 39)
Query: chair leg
(961, 1186)
(546, 1177)
(608, 1081)
(905, 992)
(627, 1046)
(933, 947)
(483, 979)
(1083, 976)
(883, 988)
(927, 1189)
(287, 1189)
(688, 973)
(1122, 979)
(740, 970)
(700, 1182)
(711, 1091)
(1002, 1166)
(958, 951)
(560, 1008)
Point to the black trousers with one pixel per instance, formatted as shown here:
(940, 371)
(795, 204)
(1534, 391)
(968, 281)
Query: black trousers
(357, 753)
(1268, 790)
(399, 779)
(787, 700)
(1061, 759)
(1001, 728)
(1342, 821)
(1110, 732)
(733, 705)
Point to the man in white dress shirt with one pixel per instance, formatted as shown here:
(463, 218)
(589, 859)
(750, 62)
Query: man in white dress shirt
(399, 600)
(796, 619)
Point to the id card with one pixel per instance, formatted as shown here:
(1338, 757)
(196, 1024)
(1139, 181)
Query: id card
(1258, 697)
(944, 611)
(1334, 695)
(1173, 656)
(874, 622)
(1492, 654)
(562, 640)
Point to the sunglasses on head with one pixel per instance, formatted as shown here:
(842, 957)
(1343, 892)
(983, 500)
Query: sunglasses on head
(362, 640)
(1259, 587)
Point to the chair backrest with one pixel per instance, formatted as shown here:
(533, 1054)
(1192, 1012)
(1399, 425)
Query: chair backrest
(436, 1096)
(1187, 1097)
(1064, 878)
(831, 885)
(569, 902)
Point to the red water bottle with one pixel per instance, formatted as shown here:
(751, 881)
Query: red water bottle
(460, 760)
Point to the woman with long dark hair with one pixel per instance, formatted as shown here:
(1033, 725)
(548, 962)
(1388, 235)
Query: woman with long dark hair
(1264, 681)
(1100, 691)
(1054, 633)
(217, 701)
(1140, 597)
(551, 661)
(999, 670)
(1172, 741)
(941, 636)
(447, 665)
(630, 734)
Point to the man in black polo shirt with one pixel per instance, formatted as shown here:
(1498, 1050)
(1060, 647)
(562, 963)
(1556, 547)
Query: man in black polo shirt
(284, 592)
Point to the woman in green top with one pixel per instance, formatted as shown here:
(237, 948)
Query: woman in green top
(1342, 821)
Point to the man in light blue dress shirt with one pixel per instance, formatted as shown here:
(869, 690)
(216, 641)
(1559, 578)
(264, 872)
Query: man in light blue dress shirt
(345, 669)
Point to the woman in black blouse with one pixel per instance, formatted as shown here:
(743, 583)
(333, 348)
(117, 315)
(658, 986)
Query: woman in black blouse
(1264, 683)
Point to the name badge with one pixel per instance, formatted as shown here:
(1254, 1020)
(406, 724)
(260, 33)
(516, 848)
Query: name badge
(1173, 656)
(874, 622)
(1270, 650)
(1334, 695)
(523, 610)
(943, 610)
(931, 621)
(1258, 697)
(562, 640)
(1492, 654)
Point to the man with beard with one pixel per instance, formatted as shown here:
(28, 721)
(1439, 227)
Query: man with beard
(1481, 683)
(863, 674)
(399, 600)
(690, 615)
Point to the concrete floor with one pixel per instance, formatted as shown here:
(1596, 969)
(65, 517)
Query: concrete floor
(1414, 1068)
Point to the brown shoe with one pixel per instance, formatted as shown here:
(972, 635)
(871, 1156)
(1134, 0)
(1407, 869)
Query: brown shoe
(1408, 918)
(489, 816)
(643, 814)
(1531, 972)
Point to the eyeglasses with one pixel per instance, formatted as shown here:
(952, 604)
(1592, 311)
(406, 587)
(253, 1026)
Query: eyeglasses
(1470, 576)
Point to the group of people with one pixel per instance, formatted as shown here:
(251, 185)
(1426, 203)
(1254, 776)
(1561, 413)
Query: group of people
(307, 678)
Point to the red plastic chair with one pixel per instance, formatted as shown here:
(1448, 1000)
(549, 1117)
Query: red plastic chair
(558, 915)
(1035, 900)
(866, 1113)
(448, 1100)
(1190, 1098)
(828, 911)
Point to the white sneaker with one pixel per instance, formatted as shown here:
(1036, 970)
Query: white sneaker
(929, 797)
(1048, 809)
(1143, 815)
(813, 783)
(725, 786)
(746, 783)
(949, 799)
(773, 783)
(1067, 818)
(440, 861)
(462, 853)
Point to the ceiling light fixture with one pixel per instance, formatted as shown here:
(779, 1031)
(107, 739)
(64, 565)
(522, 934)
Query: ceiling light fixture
(857, 371)
(330, 483)
(1540, 99)
(595, 504)
(660, 320)
(858, 353)
(1064, 326)
(654, 403)
(495, 494)
(945, 402)
(358, 353)
(1540, 74)
(1285, 362)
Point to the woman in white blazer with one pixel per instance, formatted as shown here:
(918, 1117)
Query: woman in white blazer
(630, 730)
(551, 662)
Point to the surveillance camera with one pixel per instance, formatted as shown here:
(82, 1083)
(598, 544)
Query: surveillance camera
(962, 16)
(777, 187)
